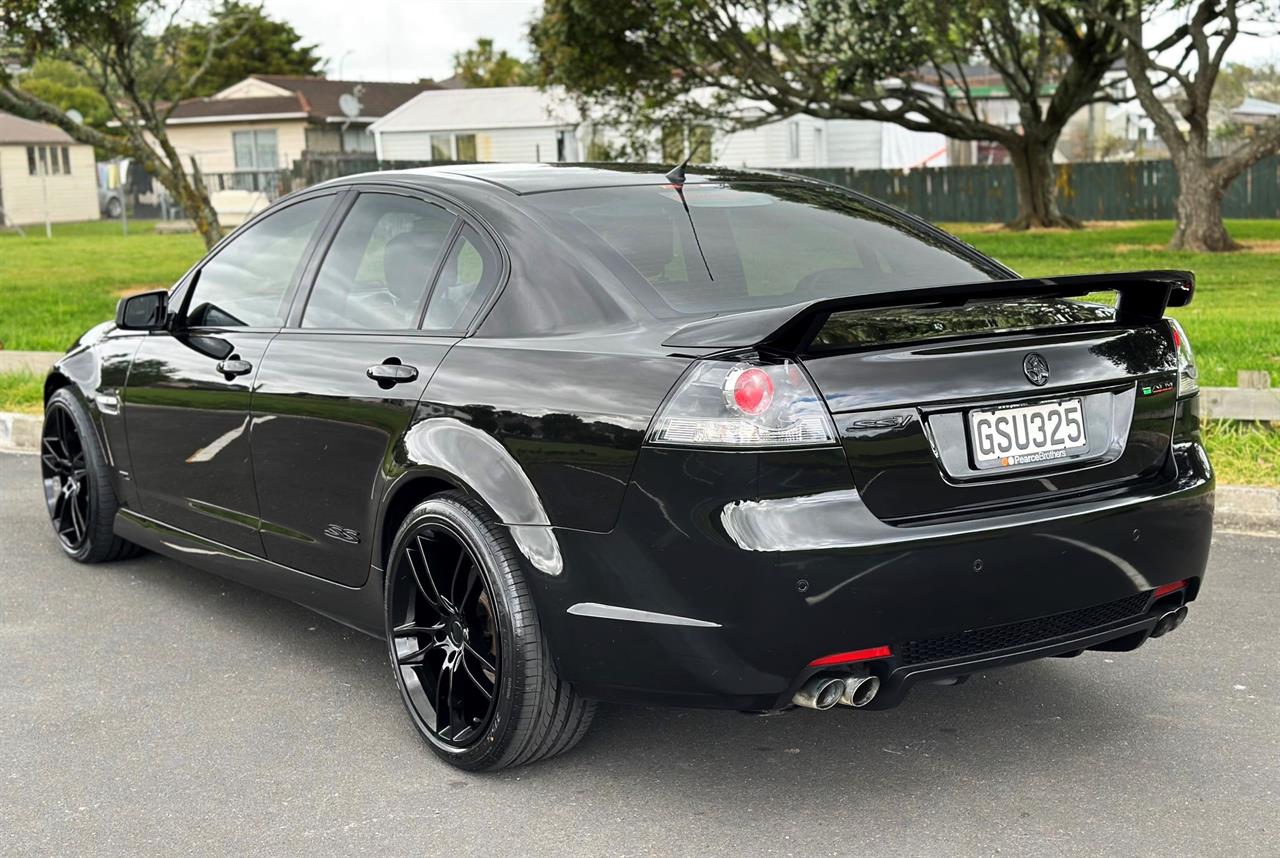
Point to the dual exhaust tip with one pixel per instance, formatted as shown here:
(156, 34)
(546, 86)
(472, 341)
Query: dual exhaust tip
(826, 690)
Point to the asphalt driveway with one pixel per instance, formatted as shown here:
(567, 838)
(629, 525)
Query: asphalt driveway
(148, 708)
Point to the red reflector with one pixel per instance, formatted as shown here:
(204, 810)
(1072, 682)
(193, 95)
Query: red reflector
(1166, 589)
(1177, 339)
(850, 657)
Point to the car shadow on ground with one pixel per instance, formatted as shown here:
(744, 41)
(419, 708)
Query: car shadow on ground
(1006, 723)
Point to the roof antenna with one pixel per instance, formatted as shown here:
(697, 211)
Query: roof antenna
(676, 176)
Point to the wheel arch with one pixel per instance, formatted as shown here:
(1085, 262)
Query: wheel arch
(445, 454)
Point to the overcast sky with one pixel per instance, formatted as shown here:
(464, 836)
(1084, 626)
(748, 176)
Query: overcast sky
(411, 39)
(404, 39)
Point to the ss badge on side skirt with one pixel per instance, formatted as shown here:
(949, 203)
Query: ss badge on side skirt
(342, 534)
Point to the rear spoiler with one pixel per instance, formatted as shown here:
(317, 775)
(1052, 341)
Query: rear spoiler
(1143, 297)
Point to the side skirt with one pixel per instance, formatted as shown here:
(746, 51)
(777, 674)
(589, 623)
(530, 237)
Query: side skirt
(357, 607)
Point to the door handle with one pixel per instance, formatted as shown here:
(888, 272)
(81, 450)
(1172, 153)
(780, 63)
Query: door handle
(388, 375)
(233, 366)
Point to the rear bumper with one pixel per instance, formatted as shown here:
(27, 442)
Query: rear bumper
(699, 598)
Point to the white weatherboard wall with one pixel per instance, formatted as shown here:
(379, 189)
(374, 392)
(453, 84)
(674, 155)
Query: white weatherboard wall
(71, 197)
(492, 144)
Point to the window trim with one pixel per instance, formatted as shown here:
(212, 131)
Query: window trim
(181, 294)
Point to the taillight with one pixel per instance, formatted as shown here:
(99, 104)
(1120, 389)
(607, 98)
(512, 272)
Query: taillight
(1188, 377)
(746, 401)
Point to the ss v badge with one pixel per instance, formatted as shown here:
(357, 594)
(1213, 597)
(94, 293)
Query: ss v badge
(342, 534)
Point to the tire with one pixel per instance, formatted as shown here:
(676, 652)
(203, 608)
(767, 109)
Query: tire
(114, 207)
(70, 454)
(531, 714)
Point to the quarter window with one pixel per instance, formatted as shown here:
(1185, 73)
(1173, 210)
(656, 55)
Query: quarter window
(376, 274)
(247, 283)
(466, 281)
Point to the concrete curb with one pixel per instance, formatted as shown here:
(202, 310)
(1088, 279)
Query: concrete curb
(19, 432)
(37, 363)
(1247, 508)
(1237, 507)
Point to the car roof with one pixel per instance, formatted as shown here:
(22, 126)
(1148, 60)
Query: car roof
(541, 177)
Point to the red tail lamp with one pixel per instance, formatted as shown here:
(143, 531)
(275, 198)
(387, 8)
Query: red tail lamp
(850, 657)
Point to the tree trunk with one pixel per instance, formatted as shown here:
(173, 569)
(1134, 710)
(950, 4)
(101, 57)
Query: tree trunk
(1200, 225)
(1033, 170)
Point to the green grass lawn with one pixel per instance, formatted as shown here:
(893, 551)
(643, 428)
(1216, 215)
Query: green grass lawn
(52, 291)
(1233, 321)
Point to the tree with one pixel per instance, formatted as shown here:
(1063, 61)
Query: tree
(265, 46)
(67, 87)
(744, 63)
(1189, 60)
(481, 66)
(131, 50)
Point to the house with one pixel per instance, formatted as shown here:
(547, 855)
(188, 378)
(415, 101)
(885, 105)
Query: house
(529, 124)
(243, 135)
(1255, 111)
(44, 174)
(508, 123)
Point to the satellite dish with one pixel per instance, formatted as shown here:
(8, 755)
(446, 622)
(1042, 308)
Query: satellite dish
(75, 116)
(349, 104)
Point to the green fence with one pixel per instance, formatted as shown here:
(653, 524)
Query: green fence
(1137, 190)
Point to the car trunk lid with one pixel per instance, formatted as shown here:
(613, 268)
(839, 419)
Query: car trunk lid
(906, 373)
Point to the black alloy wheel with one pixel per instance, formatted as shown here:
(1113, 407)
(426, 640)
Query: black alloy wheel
(473, 666)
(65, 472)
(78, 493)
(445, 641)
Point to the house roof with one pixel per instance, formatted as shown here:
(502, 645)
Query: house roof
(482, 108)
(213, 109)
(15, 129)
(1257, 107)
(321, 94)
(308, 98)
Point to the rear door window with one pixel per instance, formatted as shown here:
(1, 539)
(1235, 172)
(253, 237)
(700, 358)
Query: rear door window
(377, 271)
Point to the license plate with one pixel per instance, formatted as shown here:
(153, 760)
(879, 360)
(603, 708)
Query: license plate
(1027, 433)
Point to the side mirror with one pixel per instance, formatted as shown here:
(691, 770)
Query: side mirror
(145, 312)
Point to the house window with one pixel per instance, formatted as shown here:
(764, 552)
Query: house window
(44, 160)
(357, 140)
(679, 141)
(31, 160)
(597, 146)
(672, 144)
(255, 150)
(441, 147)
(465, 145)
(793, 140)
(700, 144)
(66, 161)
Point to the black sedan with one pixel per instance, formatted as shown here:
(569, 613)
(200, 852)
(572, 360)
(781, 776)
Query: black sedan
(563, 434)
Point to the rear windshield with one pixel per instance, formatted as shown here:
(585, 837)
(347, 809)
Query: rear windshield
(746, 245)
